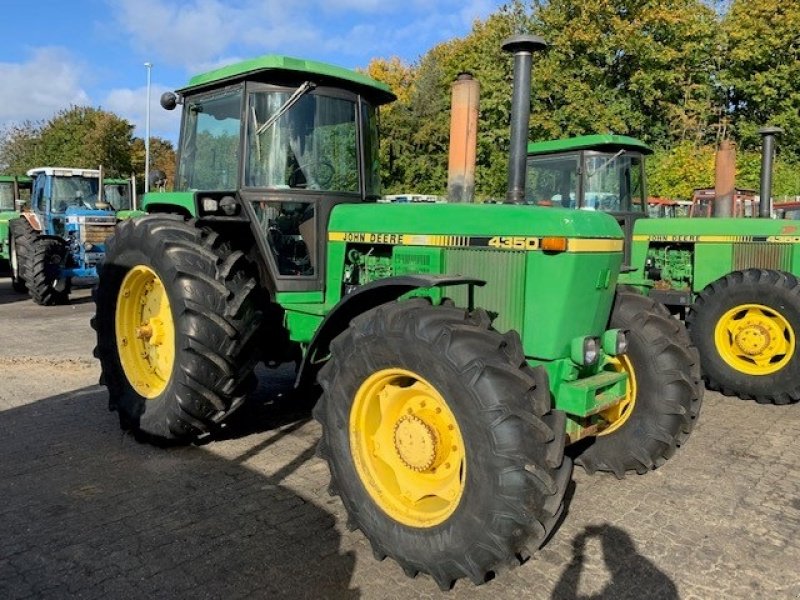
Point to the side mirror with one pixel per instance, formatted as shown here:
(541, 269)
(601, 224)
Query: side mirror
(169, 100)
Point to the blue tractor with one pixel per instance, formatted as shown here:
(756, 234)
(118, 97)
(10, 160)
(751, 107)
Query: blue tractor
(60, 238)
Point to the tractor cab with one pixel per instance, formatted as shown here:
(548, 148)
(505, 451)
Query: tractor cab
(278, 142)
(592, 172)
(15, 191)
(119, 194)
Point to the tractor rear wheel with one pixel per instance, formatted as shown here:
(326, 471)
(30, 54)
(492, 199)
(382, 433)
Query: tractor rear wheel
(664, 391)
(43, 277)
(441, 440)
(177, 313)
(746, 326)
(21, 236)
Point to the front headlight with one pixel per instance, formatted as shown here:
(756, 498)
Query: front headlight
(585, 351)
(615, 342)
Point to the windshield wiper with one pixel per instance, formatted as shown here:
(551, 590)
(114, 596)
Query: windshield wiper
(306, 87)
(605, 164)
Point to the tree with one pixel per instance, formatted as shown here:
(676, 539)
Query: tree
(19, 146)
(761, 70)
(162, 157)
(80, 136)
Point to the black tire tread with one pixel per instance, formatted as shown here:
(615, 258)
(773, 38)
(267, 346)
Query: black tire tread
(39, 277)
(675, 368)
(716, 291)
(536, 474)
(21, 233)
(215, 301)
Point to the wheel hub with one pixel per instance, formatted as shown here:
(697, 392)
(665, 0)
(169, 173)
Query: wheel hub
(145, 331)
(753, 339)
(415, 443)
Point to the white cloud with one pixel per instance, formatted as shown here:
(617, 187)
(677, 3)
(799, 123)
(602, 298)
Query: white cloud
(47, 82)
(131, 104)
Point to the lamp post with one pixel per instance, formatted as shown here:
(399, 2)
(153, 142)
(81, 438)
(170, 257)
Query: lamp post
(149, 66)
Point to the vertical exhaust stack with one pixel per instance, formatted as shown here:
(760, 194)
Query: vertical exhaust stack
(767, 156)
(463, 138)
(522, 47)
(724, 180)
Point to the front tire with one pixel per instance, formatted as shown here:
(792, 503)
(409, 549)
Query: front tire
(441, 440)
(21, 237)
(43, 278)
(746, 326)
(177, 313)
(665, 393)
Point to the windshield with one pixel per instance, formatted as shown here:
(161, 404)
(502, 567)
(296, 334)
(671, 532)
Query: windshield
(117, 195)
(80, 192)
(313, 145)
(7, 195)
(613, 183)
(210, 142)
(552, 180)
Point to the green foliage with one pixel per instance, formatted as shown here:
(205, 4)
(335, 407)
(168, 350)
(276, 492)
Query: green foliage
(675, 172)
(77, 137)
(760, 78)
(162, 158)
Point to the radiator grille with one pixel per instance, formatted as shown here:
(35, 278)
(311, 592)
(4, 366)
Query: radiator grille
(96, 234)
(504, 273)
(762, 255)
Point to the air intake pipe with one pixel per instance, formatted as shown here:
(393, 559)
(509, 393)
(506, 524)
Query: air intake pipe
(767, 156)
(522, 47)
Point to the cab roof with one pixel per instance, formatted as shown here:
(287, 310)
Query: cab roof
(18, 178)
(600, 142)
(283, 66)
(64, 172)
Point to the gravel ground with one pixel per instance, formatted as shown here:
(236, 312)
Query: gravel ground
(87, 512)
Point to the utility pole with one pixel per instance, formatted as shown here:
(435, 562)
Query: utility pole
(149, 66)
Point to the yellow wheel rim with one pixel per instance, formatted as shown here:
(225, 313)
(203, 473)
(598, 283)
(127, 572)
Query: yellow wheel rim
(618, 415)
(754, 339)
(145, 331)
(407, 448)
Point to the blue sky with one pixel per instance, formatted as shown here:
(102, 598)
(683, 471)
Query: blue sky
(92, 52)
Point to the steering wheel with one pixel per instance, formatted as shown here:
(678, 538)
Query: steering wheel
(321, 170)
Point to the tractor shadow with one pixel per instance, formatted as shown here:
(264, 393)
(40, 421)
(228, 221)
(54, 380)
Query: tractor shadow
(87, 511)
(629, 574)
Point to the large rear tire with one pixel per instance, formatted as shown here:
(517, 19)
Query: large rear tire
(21, 237)
(43, 278)
(746, 326)
(177, 313)
(665, 392)
(441, 440)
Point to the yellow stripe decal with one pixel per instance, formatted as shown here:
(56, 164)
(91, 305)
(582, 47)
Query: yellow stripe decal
(499, 242)
(594, 245)
(719, 239)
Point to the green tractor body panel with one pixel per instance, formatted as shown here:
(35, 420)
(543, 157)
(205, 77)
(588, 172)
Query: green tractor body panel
(12, 189)
(500, 246)
(689, 254)
(183, 202)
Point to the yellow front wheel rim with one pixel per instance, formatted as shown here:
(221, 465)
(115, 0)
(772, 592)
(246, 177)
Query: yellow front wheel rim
(145, 331)
(754, 339)
(618, 415)
(407, 448)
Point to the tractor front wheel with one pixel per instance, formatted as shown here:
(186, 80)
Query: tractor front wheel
(43, 279)
(441, 440)
(664, 392)
(746, 326)
(177, 313)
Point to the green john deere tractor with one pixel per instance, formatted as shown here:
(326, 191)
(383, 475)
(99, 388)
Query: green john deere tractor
(734, 280)
(458, 348)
